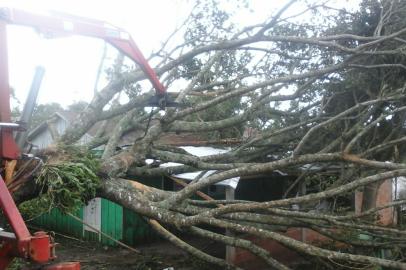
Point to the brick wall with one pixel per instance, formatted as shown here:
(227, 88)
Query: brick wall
(249, 261)
(384, 196)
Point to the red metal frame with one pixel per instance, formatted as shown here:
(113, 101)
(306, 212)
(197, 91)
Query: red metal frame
(60, 25)
(8, 147)
(21, 243)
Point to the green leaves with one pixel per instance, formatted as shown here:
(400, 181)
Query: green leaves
(68, 185)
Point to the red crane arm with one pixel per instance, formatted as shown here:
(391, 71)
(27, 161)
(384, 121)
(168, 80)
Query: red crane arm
(21, 243)
(60, 25)
(71, 25)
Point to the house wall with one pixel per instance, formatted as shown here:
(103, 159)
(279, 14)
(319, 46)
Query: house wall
(44, 138)
(262, 188)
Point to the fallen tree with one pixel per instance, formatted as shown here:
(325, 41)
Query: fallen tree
(321, 92)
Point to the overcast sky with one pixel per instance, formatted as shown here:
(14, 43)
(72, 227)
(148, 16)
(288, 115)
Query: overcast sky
(71, 63)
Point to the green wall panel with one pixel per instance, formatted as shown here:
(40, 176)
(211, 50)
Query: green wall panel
(91, 236)
(135, 228)
(119, 223)
(55, 220)
(111, 221)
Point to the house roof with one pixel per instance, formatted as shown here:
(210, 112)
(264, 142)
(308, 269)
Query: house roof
(43, 126)
(201, 152)
(69, 117)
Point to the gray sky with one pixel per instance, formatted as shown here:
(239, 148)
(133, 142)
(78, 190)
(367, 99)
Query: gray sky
(71, 63)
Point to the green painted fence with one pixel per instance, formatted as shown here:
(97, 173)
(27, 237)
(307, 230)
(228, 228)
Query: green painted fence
(116, 221)
(111, 221)
(57, 221)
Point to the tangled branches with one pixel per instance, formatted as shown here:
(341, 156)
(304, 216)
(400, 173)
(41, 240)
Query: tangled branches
(324, 97)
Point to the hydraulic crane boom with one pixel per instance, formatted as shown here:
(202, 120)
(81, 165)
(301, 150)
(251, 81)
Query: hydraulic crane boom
(57, 25)
(39, 247)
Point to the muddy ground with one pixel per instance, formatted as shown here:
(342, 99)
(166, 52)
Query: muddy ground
(158, 255)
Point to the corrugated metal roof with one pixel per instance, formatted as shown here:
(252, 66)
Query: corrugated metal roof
(203, 151)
